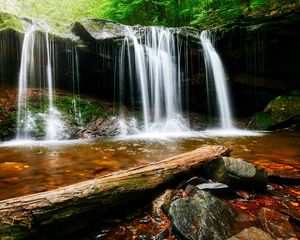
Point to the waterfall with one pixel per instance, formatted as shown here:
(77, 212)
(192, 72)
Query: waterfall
(75, 84)
(215, 68)
(152, 60)
(27, 121)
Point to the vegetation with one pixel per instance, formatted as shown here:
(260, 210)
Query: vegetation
(89, 110)
(8, 21)
(195, 13)
(280, 110)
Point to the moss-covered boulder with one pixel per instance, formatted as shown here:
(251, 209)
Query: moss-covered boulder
(280, 112)
(99, 29)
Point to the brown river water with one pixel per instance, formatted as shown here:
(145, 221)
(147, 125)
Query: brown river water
(36, 168)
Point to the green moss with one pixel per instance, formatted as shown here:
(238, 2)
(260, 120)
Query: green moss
(278, 110)
(89, 109)
(93, 25)
(283, 108)
(262, 121)
(8, 21)
(9, 127)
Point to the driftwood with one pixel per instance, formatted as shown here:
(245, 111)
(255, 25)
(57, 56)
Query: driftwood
(39, 215)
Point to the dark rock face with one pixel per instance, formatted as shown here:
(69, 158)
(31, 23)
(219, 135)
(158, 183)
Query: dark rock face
(284, 111)
(201, 217)
(236, 173)
(259, 56)
(276, 224)
(251, 233)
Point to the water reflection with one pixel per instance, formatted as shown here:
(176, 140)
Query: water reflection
(35, 168)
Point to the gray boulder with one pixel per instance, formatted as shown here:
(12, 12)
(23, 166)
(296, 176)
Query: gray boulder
(202, 216)
(251, 233)
(236, 172)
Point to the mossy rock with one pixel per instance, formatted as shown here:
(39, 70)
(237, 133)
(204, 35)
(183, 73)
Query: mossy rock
(9, 21)
(202, 216)
(100, 29)
(283, 109)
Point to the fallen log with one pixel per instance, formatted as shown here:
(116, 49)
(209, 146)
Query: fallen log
(37, 215)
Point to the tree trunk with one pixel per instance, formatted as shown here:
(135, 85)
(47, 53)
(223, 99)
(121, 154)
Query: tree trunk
(37, 215)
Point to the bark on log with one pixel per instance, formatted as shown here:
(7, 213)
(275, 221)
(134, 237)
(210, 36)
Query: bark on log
(38, 214)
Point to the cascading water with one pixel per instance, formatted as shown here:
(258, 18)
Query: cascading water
(157, 71)
(215, 68)
(26, 120)
(75, 84)
(54, 124)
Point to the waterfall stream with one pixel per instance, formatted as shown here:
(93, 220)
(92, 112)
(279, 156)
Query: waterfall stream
(155, 65)
(215, 68)
(27, 120)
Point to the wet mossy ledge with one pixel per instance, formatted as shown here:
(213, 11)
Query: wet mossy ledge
(77, 113)
(282, 112)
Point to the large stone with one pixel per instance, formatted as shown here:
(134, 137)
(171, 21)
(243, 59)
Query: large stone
(236, 172)
(276, 224)
(284, 111)
(201, 217)
(99, 29)
(251, 233)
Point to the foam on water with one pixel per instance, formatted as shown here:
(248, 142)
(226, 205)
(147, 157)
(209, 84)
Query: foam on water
(41, 143)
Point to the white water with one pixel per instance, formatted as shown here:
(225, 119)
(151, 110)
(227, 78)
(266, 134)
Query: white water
(214, 64)
(155, 65)
(27, 121)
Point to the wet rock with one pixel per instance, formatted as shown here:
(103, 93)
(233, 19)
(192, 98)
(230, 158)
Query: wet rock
(236, 172)
(143, 236)
(161, 202)
(245, 195)
(99, 29)
(190, 190)
(276, 224)
(192, 181)
(215, 188)
(294, 214)
(282, 112)
(251, 233)
(202, 216)
(163, 234)
(101, 127)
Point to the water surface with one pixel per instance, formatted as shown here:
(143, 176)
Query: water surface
(35, 168)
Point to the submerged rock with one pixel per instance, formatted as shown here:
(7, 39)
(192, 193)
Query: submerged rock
(251, 233)
(236, 172)
(276, 224)
(282, 112)
(201, 217)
